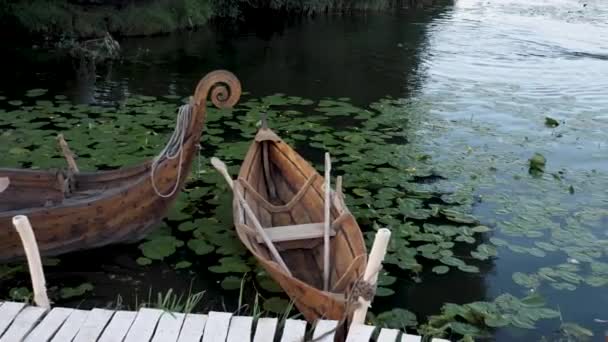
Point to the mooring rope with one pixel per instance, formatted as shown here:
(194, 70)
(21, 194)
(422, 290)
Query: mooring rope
(173, 149)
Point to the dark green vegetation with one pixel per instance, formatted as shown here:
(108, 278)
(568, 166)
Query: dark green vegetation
(398, 173)
(63, 19)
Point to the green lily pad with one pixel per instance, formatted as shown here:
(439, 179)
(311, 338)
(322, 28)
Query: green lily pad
(160, 247)
(230, 264)
(231, 283)
(200, 247)
(143, 261)
(396, 318)
(70, 292)
(441, 269)
(182, 264)
(35, 92)
(276, 305)
(551, 122)
(20, 294)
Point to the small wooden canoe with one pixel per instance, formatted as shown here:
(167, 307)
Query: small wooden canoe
(80, 210)
(286, 195)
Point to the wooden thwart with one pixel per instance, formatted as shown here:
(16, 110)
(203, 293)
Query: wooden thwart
(295, 232)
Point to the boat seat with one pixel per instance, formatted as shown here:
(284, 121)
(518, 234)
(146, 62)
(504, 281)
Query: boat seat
(295, 232)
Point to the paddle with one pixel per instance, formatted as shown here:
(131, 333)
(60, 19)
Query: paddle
(26, 233)
(221, 167)
(4, 183)
(326, 222)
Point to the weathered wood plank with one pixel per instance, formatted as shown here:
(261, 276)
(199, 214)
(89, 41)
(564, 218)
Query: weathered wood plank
(217, 326)
(118, 326)
(240, 329)
(144, 325)
(265, 329)
(294, 330)
(71, 326)
(49, 325)
(410, 338)
(8, 312)
(193, 327)
(325, 329)
(360, 333)
(93, 326)
(295, 232)
(23, 323)
(168, 327)
(388, 335)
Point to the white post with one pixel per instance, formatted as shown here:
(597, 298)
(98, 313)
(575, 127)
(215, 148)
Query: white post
(26, 233)
(327, 222)
(376, 256)
(4, 183)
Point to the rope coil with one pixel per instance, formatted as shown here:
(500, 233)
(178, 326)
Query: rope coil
(173, 149)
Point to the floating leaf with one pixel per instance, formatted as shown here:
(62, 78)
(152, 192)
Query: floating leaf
(441, 269)
(160, 247)
(551, 122)
(231, 283)
(20, 294)
(200, 247)
(537, 162)
(230, 264)
(576, 331)
(469, 268)
(182, 264)
(143, 261)
(396, 318)
(35, 92)
(69, 292)
(276, 305)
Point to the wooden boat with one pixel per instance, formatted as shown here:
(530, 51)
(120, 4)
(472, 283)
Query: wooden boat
(286, 195)
(72, 210)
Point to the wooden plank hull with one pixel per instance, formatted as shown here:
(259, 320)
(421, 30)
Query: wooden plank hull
(284, 189)
(109, 206)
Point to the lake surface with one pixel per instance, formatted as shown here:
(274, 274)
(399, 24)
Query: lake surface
(475, 82)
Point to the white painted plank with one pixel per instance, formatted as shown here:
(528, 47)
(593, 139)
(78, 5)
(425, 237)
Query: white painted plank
(23, 324)
(295, 232)
(71, 326)
(217, 326)
(168, 327)
(8, 312)
(144, 325)
(265, 329)
(440, 340)
(360, 333)
(294, 330)
(388, 335)
(193, 327)
(49, 325)
(240, 329)
(118, 326)
(93, 326)
(324, 327)
(410, 338)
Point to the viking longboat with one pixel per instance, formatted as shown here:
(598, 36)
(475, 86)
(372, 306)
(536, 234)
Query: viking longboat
(284, 195)
(72, 210)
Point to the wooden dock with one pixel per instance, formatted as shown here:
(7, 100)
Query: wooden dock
(20, 322)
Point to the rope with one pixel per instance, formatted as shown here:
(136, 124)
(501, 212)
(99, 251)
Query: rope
(173, 149)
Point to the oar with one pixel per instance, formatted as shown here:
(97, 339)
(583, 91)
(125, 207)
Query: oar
(371, 271)
(4, 183)
(326, 222)
(221, 167)
(26, 233)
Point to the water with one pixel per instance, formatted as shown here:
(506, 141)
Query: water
(488, 72)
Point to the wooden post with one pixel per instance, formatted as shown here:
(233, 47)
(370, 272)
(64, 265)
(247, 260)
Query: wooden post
(26, 233)
(4, 183)
(221, 167)
(371, 271)
(327, 222)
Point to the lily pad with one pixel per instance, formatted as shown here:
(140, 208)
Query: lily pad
(441, 269)
(231, 283)
(276, 305)
(160, 247)
(70, 292)
(36, 92)
(200, 246)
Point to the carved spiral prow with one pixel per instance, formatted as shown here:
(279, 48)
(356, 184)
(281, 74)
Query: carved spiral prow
(221, 86)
